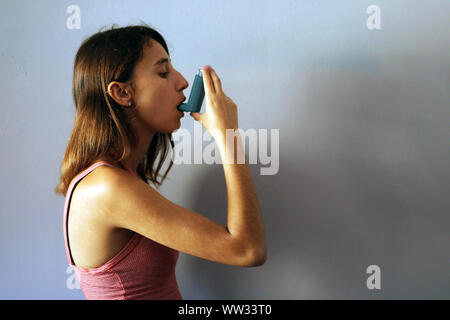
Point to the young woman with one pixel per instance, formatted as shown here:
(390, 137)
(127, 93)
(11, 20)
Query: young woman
(122, 237)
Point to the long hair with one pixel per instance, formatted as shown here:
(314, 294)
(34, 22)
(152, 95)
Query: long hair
(102, 128)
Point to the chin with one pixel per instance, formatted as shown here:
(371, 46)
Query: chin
(168, 125)
(178, 126)
(172, 129)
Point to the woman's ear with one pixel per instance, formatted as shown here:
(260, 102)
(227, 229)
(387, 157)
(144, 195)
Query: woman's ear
(121, 93)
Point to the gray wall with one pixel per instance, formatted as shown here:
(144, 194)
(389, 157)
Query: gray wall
(363, 117)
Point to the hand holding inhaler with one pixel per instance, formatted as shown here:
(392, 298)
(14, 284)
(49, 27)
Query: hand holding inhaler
(221, 111)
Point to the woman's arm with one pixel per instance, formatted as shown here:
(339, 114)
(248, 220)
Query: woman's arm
(244, 215)
(130, 203)
(124, 201)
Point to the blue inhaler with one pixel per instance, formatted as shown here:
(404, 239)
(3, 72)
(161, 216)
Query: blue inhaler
(196, 96)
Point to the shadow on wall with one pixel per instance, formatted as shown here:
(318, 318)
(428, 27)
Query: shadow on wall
(360, 183)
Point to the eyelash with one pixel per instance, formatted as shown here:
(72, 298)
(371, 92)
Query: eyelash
(165, 73)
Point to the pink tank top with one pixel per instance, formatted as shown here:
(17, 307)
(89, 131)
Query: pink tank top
(142, 269)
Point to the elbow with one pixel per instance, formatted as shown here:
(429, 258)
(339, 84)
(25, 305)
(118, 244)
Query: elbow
(259, 261)
(249, 253)
(257, 258)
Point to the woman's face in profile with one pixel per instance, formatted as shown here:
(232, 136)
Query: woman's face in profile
(158, 90)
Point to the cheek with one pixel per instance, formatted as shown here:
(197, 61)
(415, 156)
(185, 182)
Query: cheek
(157, 100)
(149, 99)
(153, 108)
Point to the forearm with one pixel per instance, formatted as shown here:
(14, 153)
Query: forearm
(244, 219)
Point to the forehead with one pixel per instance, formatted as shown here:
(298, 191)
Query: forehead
(153, 53)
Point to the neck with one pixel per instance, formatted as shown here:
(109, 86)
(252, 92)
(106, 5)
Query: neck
(139, 153)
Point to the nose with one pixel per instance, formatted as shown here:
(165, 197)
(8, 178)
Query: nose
(183, 84)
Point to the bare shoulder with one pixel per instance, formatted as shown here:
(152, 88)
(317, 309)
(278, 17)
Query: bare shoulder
(106, 175)
(97, 189)
(94, 238)
(100, 180)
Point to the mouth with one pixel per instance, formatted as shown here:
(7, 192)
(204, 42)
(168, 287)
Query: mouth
(182, 100)
(181, 113)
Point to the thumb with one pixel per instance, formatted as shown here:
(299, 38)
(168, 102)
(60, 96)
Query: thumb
(197, 116)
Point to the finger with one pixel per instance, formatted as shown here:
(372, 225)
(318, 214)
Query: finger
(207, 81)
(197, 116)
(216, 80)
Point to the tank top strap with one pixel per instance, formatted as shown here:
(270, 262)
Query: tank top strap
(127, 168)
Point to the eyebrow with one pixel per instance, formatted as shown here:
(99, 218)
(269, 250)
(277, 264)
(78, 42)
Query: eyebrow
(161, 61)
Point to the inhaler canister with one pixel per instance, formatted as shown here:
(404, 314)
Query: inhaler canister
(196, 96)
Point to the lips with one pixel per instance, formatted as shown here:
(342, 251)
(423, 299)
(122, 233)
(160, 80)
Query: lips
(181, 113)
(181, 101)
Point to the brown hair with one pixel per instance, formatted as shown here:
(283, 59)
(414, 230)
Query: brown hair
(102, 129)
